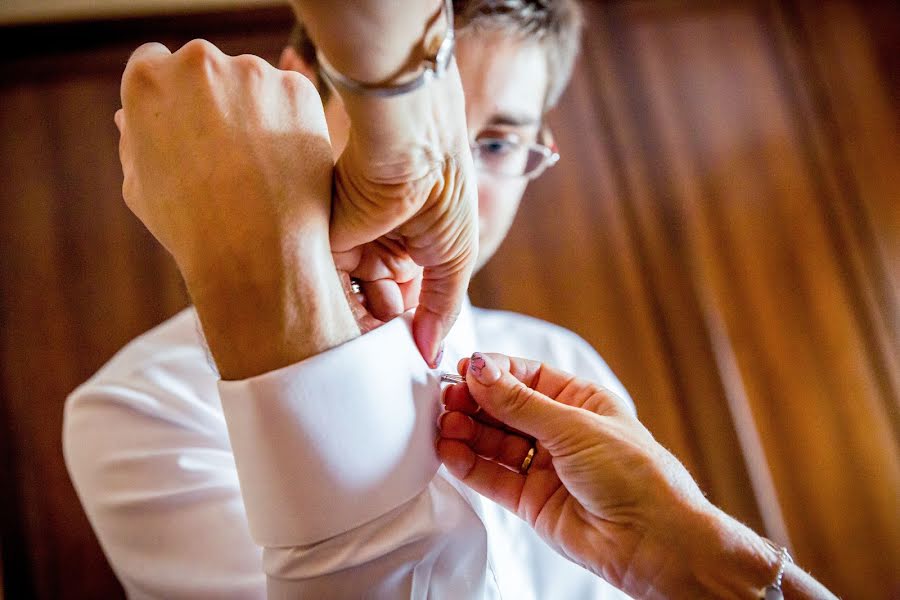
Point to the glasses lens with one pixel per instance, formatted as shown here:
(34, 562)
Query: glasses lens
(501, 157)
(537, 160)
(511, 158)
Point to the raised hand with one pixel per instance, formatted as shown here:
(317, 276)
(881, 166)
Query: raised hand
(227, 162)
(406, 176)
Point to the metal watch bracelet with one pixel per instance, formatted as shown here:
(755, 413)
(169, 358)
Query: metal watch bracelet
(433, 67)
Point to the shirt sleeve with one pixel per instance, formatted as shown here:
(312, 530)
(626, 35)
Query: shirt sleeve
(154, 472)
(337, 464)
(335, 457)
(335, 441)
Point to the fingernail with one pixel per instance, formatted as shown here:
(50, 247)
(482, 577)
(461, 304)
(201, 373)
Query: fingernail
(484, 369)
(427, 333)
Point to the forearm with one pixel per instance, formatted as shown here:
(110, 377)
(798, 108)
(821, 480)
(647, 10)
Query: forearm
(272, 310)
(739, 562)
(244, 208)
(717, 558)
(404, 137)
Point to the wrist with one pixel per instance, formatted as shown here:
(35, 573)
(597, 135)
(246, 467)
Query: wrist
(731, 560)
(378, 44)
(264, 310)
(706, 554)
(372, 42)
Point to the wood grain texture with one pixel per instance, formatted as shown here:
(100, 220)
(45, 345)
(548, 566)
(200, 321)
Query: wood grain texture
(80, 276)
(728, 203)
(737, 262)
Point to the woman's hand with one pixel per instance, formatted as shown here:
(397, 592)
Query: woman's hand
(599, 489)
(598, 486)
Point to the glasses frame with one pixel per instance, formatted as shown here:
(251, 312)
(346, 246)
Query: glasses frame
(544, 146)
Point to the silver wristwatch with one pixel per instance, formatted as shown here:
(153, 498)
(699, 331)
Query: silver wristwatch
(433, 67)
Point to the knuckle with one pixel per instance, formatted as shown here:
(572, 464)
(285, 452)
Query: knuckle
(600, 400)
(302, 90)
(144, 55)
(251, 65)
(149, 49)
(616, 403)
(518, 397)
(303, 86)
(198, 53)
(198, 49)
(139, 75)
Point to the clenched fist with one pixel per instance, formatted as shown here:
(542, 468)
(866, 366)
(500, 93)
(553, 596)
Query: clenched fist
(227, 162)
(226, 159)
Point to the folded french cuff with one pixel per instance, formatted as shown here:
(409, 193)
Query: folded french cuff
(335, 441)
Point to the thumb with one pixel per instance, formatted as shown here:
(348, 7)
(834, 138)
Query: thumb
(440, 300)
(506, 398)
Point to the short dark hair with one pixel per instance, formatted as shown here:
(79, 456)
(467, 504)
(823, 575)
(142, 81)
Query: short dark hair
(555, 24)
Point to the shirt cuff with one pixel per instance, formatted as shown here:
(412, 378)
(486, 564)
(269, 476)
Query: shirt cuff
(337, 440)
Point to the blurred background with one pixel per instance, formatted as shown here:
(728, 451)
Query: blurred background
(724, 227)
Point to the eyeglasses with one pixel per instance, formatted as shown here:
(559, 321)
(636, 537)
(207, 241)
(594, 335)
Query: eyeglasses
(510, 156)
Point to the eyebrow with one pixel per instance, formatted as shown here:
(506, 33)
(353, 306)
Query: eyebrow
(514, 120)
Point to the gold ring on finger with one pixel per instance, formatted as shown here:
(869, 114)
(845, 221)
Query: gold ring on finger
(526, 464)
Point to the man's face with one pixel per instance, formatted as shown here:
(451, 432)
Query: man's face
(505, 81)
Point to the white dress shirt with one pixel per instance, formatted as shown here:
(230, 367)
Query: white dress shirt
(318, 480)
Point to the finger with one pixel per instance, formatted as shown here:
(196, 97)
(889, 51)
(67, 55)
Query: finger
(347, 261)
(489, 479)
(148, 51)
(140, 69)
(440, 301)
(387, 259)
(383, 298)
(509, 400)
(357, 303)
(558, 385)
(457, 398)
(535, 374)
(492, 443)
(410, 290)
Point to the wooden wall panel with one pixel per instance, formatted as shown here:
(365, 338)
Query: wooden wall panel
(80, 276)
(744, 269)
(728, 202)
